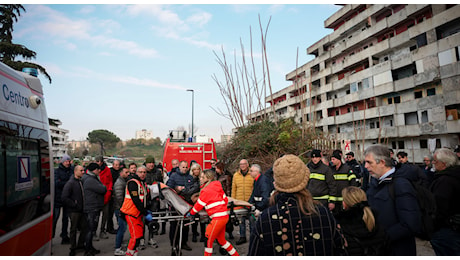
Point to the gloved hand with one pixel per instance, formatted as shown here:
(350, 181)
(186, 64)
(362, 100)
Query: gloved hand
(149, 217)
(188, 215)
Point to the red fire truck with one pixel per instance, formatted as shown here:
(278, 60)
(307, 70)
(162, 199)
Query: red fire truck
(177, 147)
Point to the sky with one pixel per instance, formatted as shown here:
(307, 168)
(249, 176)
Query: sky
(125, 68)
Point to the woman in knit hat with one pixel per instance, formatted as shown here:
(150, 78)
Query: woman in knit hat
(294, 224)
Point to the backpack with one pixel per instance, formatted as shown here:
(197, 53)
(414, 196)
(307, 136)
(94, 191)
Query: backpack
(426, 203)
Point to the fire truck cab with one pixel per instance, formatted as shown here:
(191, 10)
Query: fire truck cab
(178, 147)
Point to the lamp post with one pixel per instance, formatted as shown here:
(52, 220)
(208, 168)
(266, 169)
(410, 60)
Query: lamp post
(191, 90)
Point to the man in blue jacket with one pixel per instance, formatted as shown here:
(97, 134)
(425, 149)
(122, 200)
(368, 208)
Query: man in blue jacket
(263, 187)
(179, 181)
(400, 216)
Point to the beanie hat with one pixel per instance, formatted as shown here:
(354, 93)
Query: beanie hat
(351, 153)
(336, 155)
(65, 158)
(290, 174)
(92, 166)
(315, 153)
(149, 159)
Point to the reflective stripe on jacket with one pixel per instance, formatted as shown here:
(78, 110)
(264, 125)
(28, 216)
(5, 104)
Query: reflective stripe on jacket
(128, 207)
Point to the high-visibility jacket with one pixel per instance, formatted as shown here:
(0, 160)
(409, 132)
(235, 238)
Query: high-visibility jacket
(344, 177)
(322, 184)
(129, 207)
(212, 198)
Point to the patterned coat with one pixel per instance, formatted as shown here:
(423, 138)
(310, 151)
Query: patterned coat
(283, 230)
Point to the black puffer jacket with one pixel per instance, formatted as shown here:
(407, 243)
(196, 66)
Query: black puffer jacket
(446, 191)
(61, 176)
(360, 240)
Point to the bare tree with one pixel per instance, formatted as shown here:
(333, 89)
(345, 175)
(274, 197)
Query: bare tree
(242, 89)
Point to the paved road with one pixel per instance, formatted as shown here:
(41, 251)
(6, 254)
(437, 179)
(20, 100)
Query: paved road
(164, 249)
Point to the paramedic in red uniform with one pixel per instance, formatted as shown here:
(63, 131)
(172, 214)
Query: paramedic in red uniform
(134, 208)
(212, 198)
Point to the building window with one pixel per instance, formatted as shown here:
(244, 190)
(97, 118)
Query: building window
(438, 143)
(411, 118)
(397, 99)
(431, 92)
(418, 94)
(371, 125)
(348, 110)
(337, 112)
(365, 83)
(353, 87)
(424, 116)
(423, 143)
(401, 145)
(390, 101)
(391, 122)
(393, 145)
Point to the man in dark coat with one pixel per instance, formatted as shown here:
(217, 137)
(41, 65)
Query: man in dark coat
(400, 217)
(446, 191)
(61, 175)
(93, 204)
(262, 190)
(72, 197)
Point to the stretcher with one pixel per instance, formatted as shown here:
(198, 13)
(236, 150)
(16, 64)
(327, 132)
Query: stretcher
(177, 207)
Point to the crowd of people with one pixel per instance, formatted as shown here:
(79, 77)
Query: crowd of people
(329, 206)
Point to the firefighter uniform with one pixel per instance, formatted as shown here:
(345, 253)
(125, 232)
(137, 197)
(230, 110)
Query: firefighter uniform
(134, 208)
(322, 184)
(344, 177)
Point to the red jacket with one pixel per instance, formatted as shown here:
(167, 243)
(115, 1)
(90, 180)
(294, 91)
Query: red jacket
(106, 179)
(213, 200)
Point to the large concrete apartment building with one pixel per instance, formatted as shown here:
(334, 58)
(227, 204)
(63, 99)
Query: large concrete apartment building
(387, 73)
(58, 138)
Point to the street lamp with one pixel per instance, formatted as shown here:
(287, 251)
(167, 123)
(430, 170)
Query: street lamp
(191, 90)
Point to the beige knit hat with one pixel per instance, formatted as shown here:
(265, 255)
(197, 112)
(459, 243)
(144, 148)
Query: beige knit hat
(290, 174)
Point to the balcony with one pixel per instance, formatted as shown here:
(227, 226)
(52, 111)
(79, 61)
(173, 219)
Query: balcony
(403, 84)
(439, 127)
(321, 74)
(409, 130)
(367, 34)
(383, 89)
